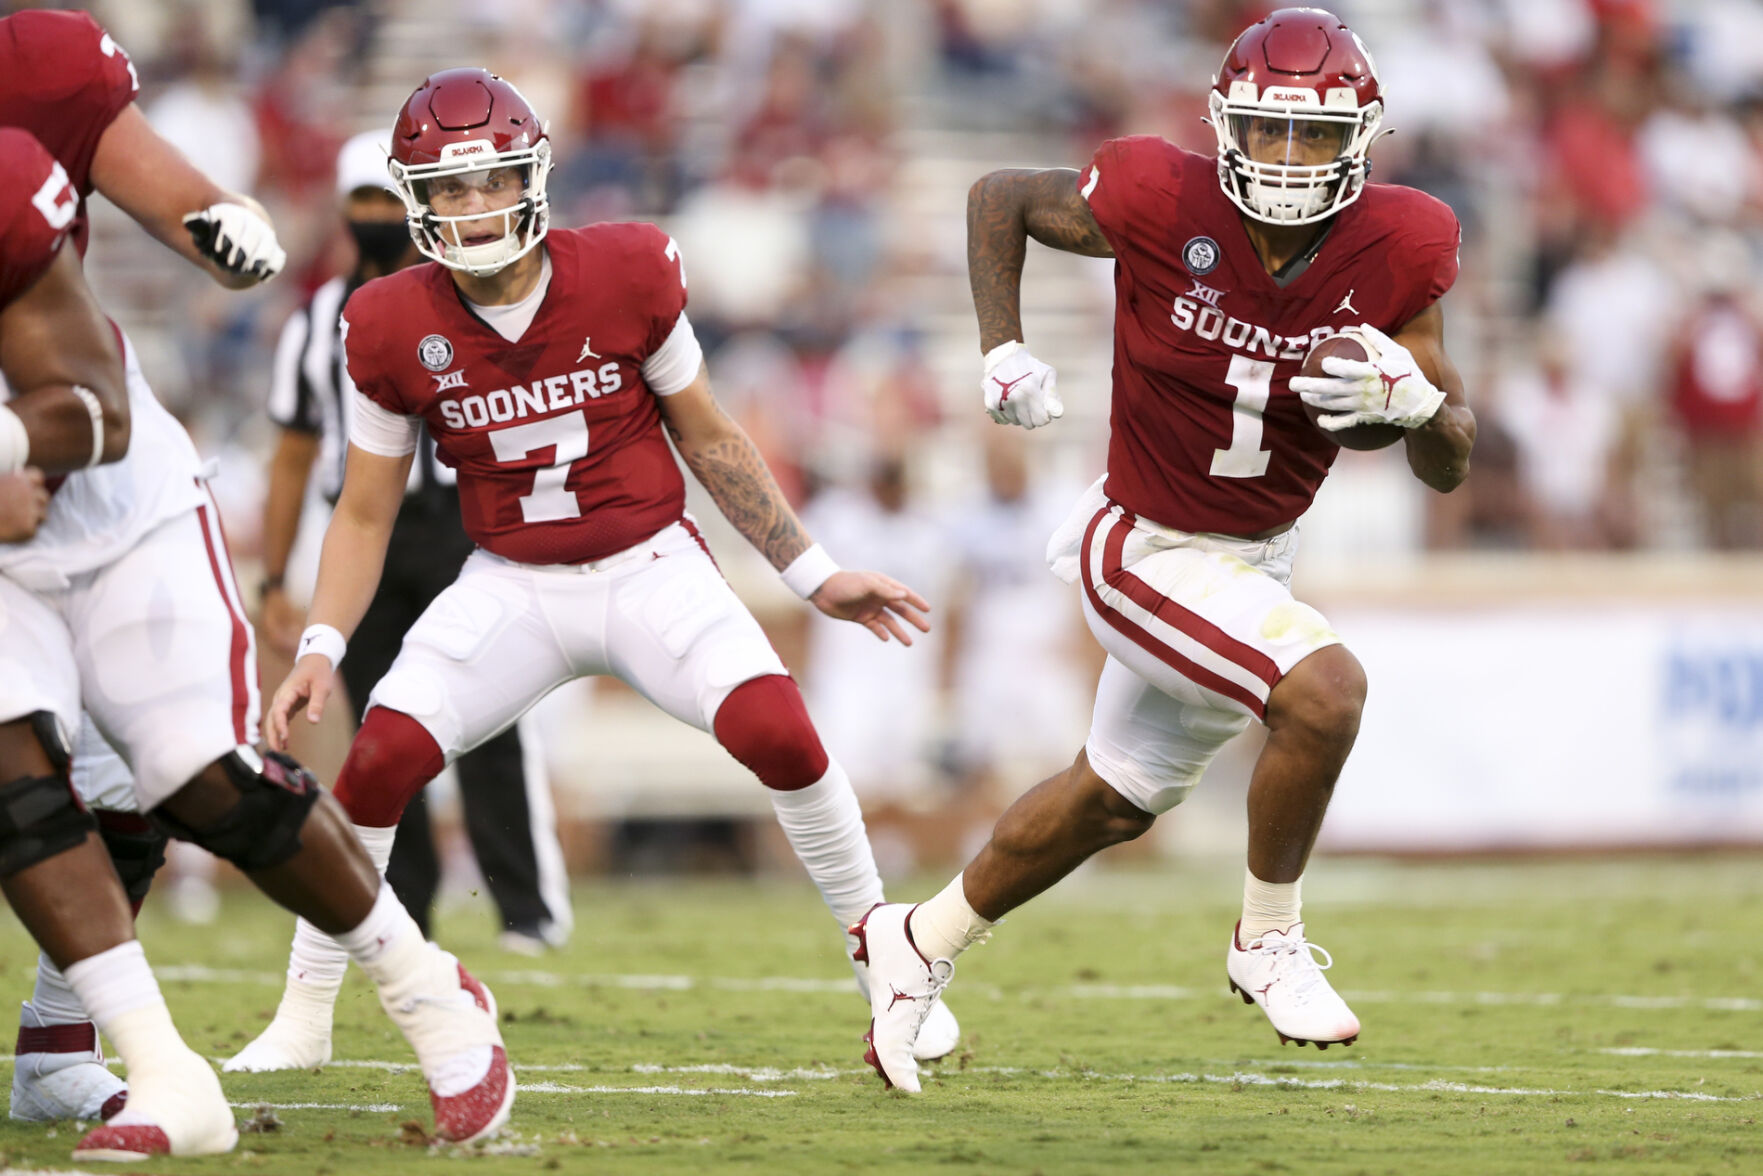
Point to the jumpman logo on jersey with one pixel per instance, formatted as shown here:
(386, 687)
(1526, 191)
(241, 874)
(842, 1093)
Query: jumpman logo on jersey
(1005, 394)
(588, 351)
(1347, 304)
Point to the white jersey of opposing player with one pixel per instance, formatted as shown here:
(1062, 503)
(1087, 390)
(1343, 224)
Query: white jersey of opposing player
(98, 514)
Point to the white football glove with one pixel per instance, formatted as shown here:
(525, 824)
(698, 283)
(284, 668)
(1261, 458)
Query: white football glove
(1387, 389)
(1020, 389)
(237, 240)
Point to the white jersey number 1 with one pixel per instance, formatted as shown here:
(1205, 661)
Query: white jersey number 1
(1253, 380)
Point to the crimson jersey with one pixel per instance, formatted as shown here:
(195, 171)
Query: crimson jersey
(64, 80)
(557, 439)
(36, 206)
(1205, 433)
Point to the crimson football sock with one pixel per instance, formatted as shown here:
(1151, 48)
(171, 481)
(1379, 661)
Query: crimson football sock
(390, 760)
(764, 723)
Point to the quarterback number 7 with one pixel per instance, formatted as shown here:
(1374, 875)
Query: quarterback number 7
(550, 500)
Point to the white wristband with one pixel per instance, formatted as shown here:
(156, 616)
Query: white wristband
(15, 443)
(808, 571)
(96, 411)
(323, 640)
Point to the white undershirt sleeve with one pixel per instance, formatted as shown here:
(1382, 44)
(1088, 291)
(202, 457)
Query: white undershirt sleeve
(674, 365)
(379, 430)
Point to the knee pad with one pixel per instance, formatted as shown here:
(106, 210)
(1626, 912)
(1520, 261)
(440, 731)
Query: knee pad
(41, 816)
(263, 829)
(137, 849)
(764, 723)
(390, 760)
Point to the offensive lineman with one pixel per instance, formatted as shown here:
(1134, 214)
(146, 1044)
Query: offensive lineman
(546, 367)
(1227, 271)
(124, 602)
(66, 82)
(67, 410)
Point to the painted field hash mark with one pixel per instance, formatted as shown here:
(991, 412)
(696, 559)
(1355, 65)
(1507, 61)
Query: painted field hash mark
(665, 982)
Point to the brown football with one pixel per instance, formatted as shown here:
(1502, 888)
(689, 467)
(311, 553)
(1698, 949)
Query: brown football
(1359, 436)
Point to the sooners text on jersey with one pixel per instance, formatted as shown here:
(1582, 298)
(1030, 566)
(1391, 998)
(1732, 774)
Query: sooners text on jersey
(556, 438)
(64, 80)
(1206, 435)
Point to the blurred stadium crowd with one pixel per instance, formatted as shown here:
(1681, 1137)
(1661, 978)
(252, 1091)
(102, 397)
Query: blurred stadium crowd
(812, 158)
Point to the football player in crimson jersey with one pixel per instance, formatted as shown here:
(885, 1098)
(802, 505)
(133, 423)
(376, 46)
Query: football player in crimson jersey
(66, 82)
(1227, 270)
(550, 368)
(128, 572)
(63, 79)
(68, 409)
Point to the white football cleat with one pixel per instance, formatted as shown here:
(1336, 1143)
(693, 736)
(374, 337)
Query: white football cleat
(58, 1072)
(940, 1033)
(174, 1109)
(904, 989)
(451, 1024)
(1278, 970)
(291, 1042)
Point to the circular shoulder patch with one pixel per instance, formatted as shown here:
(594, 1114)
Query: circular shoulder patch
(435, 352)
(1200, 255)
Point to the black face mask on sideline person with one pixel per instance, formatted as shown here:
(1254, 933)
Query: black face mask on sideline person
(381, 243)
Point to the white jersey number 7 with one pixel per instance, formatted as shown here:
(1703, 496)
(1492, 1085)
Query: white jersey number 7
(550, 500)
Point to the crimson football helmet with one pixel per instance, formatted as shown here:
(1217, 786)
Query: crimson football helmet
(1300, 85)
(462, 122)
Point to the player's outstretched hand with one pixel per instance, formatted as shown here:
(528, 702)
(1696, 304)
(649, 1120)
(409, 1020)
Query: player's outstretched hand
(875, 601)
(1020, 389)
(308, 684)
(1387, 389)
(237, 239)
(24, 502)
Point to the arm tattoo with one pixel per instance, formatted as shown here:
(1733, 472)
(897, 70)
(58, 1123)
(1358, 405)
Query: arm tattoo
(730, 468)
(1005, 209)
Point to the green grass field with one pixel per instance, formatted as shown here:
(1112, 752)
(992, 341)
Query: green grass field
(1529, 1017)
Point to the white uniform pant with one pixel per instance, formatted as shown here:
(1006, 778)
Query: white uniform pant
(154, 645)
(657, 616)
(1198, 628)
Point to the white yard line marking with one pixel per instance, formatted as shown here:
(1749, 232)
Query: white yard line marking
(661, 982)
(375, 1108)
(1639, 1051)
(556, 1088)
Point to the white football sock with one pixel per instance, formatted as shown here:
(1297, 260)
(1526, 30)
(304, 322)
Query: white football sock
(54, 998)
(118, 989)
(1268, 906)
(387, 945)
(317, 963)
(824, 824)
(945, 926)
(378, 843)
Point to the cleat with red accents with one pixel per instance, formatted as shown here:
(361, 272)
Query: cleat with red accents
(904, 989)
(940, 1033)
(450, 1021)
(1279, 971)
(58, 1072)
(175, 1107)
(137, 1141)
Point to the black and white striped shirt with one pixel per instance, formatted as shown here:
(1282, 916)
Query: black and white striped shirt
(310, 391)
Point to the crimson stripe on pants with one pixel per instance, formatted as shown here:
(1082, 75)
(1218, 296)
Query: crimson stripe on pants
(1137, 634)
(241, 636)
(1178, 617)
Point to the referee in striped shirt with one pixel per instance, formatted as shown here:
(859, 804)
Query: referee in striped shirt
(507, 802)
